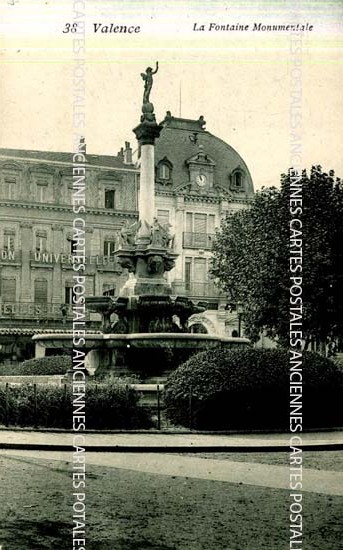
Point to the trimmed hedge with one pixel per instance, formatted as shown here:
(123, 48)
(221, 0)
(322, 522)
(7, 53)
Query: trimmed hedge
(51, 365)
(249, 389)
(107, 406)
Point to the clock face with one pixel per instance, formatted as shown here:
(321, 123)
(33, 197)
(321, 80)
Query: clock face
(201, 180)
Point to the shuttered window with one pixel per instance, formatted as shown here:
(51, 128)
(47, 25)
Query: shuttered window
(200, 274)
(211, 224)
(199, 230)
(200, 237)
(200, 223)
(8, 289)
(41, 291)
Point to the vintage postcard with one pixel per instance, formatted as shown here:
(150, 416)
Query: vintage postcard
(171, 322)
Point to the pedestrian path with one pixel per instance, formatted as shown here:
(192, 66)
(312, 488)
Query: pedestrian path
(173, 442)
(246, 473)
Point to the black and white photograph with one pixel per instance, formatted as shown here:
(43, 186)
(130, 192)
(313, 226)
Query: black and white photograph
(171, 275)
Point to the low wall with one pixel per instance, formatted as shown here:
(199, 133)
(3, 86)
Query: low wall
(50, 380)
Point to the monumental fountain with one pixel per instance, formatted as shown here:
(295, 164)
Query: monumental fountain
(144, 328)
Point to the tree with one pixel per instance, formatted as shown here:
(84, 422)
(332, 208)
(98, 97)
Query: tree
(251, 258)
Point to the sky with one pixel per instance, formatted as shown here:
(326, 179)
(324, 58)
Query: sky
(242, 82)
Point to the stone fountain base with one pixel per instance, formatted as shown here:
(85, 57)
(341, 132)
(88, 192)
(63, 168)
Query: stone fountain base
(151, 357)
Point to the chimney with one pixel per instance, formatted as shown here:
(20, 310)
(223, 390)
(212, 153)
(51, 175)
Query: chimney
(127, 153)
(121, 154)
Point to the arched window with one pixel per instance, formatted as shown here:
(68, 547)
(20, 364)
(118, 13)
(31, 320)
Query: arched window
(164, 171)
(237, 179)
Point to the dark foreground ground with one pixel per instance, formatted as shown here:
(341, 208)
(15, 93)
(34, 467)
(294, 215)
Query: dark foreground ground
(129, 510)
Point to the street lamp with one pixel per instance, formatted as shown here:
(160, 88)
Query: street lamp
(239, 309)
(232, 306)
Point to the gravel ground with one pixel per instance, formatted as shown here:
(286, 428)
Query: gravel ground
(137, 511)
(317, 460)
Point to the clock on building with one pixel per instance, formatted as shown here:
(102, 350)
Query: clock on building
(201, 180)
(201, 171)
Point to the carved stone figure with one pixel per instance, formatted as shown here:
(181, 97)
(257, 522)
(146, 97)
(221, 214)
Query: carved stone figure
(148, 81)
(155, 265)
(159, 324)
(127, 263)
(160, 234)
(168, 237)
(106, 318)
(169, 264)
(156, 233)
(121, 326)
(128, 233)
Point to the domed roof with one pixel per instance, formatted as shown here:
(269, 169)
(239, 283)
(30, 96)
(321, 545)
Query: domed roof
(184, 143)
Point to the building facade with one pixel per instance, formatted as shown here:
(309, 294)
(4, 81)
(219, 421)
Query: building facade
(199, 179)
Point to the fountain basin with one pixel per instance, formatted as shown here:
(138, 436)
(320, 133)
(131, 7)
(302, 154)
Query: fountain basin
(151, 356)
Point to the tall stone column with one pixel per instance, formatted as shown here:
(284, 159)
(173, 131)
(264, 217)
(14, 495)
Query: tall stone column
(146, 201)
(147, 132)
(146, 250)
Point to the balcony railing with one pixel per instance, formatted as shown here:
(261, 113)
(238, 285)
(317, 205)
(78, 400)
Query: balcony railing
(197, 290)
(198, 240)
